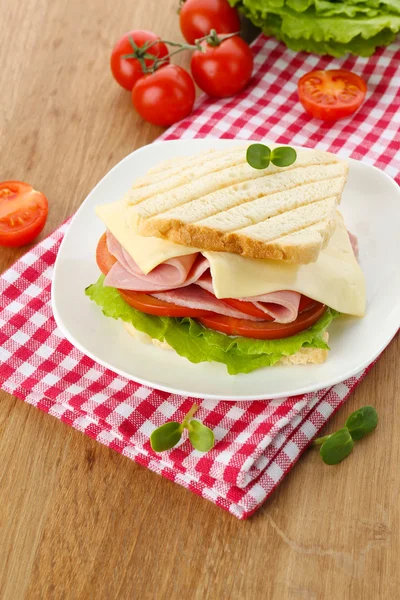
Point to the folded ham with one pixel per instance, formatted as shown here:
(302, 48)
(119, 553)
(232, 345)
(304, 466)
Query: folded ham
(186, 281)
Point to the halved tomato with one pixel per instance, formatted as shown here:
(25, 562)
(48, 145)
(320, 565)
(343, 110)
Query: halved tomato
(264, 330)
(331, 95)
(23, 213)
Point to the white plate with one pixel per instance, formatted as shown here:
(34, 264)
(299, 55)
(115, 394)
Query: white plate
(371, 206)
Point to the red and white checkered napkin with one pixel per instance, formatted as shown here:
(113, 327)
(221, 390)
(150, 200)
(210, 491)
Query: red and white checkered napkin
(257, 443)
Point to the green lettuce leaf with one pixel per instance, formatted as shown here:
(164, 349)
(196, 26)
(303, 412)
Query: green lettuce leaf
(199, 344)
(324, 27)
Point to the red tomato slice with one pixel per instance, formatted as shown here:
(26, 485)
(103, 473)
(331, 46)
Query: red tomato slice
(23, 213)
(263, 330)
(331, 95)
(152, 306)
(105, 260)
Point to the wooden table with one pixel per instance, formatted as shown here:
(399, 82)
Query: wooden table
(78, 520)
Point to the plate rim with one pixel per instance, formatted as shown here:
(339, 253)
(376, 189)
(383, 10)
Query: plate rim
(307, 389)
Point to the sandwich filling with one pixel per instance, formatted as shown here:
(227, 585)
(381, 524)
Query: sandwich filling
(246, 309)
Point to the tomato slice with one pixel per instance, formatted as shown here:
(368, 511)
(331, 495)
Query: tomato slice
(105, 260)
(152, 306)
(331, 95)
(264, 330)
(23, 213)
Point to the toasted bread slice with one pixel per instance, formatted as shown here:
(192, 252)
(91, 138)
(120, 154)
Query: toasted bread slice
(304, 356)
(216, 201)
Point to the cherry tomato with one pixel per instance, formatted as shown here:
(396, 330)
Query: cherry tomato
(23, 213)
(127, 71)
(198, 17)
(165, 96)
(331, 95)
(263, 330)
(223, 70)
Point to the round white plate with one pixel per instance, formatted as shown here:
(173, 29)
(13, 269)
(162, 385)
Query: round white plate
(371, 207)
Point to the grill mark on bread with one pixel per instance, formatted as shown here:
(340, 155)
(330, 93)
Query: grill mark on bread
(259, 214)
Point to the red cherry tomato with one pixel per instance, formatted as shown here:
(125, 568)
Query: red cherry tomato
(198, 17)
(23, 213)
(223, 70)
(264, 330)
(331, 95)
(165, 96)
(127, 71)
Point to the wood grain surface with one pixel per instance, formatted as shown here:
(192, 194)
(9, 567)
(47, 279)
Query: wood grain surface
(78, 520)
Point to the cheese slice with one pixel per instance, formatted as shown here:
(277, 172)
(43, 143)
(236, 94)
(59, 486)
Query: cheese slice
(148, 252)
(335, 279)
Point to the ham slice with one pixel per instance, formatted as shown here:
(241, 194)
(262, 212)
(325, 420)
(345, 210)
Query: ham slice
(187, 281)
(354, 243)
(282, 306)
(173, 273)
(194, 296)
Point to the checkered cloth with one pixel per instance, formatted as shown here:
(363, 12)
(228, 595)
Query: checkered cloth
(257, 443)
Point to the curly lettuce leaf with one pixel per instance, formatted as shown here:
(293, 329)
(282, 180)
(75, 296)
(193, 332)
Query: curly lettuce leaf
(323, 27)
(199, 344)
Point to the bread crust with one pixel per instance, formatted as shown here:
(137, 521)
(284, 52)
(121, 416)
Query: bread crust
(219, 203)
(209, 239)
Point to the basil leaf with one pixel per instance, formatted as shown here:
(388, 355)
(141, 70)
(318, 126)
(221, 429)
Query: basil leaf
(166, 436)
(283, 156)
(362, 421)
(200, 436)
(337, 447)
(258, 156)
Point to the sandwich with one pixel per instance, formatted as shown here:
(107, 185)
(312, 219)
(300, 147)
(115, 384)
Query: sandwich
(220, 261)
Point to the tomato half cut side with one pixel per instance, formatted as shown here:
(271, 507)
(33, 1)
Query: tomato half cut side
(331, 95)
(264, 330)
(23, 213)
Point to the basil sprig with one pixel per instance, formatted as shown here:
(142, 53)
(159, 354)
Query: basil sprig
(168, 435)
(337, 446)
(259, 156)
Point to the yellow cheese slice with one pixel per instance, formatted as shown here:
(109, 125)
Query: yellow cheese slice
(335, 279)
(146, 252)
